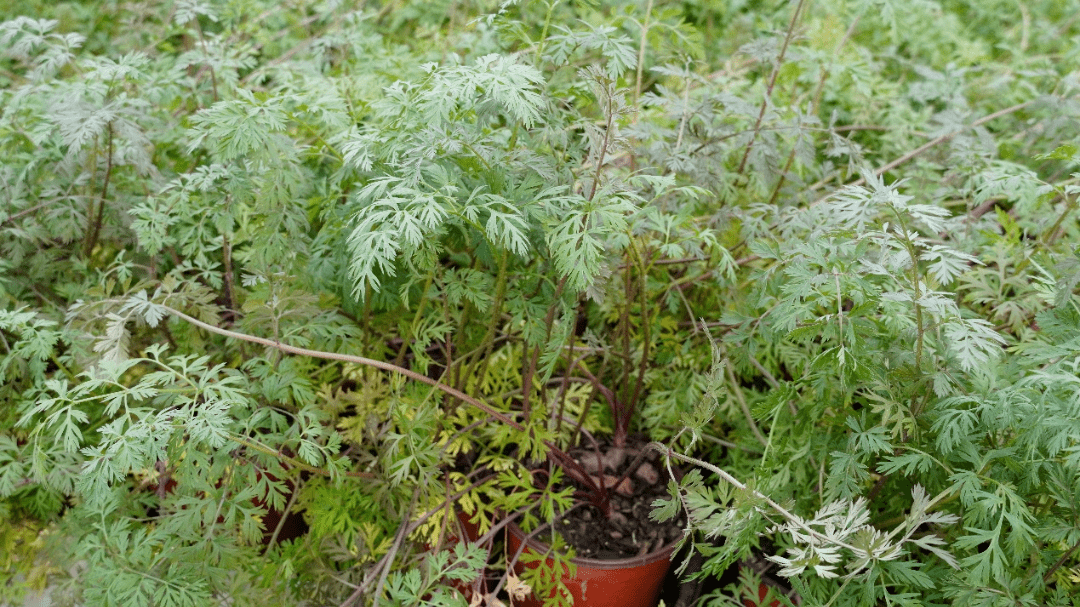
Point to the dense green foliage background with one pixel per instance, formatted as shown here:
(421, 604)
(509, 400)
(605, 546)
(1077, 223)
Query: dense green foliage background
(825, 250)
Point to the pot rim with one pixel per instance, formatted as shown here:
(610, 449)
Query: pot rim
(664, 552)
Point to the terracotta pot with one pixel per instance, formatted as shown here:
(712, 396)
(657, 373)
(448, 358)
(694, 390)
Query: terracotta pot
(472, 530)
(763, 591)
(472, 534)
(631, 582)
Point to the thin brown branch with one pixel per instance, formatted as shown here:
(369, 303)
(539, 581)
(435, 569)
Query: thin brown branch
(292, 461)
(723, 474)
(1061, 561)
(25, 212)
(530, 367)
(926, 146)
(358, 360)
(772, 82)
(813, 110)
(95, 227)
(284, 514)
(557, 455)
(736, 390)
(641, 54)
(230, 280)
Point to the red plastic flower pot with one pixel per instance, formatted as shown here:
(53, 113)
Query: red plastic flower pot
(471, 530)
(763, 591)
(631, 582)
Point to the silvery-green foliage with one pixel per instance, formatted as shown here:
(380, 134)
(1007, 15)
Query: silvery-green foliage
(837, 247)
(840, 533)
(895, 332)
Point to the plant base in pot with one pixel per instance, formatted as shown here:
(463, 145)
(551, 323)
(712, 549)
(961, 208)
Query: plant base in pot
(629, 582)
(623, 555)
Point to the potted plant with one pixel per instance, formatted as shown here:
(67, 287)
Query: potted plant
(389, 267)
(482, 208)
(503, 242)
(533, 261)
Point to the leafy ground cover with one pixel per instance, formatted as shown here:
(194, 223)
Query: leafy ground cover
(374, 263)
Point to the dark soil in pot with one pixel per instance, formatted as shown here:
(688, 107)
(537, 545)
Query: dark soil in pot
(629, 532)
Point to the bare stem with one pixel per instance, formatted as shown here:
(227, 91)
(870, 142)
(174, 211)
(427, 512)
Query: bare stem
(358, 360)
(737, 391)
(530, 368)
(772, 82)
(668, 452)
(609, 124)
(573, 469)
(206, 53)
(641, 52)
(98, 217)
(255, 446)
(631, 405)
(813, 109)
(1061, 561)
(406, 339)
(1050, 235)
(230, 280)
(926, 146)
(920, 327)
(483, 353)
(29, 211)
(285, 513)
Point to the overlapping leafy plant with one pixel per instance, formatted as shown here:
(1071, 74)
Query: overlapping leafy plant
(826, 251)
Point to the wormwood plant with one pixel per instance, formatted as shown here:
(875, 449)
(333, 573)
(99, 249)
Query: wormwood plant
(437, 214)
(826, 250)
(893, 339)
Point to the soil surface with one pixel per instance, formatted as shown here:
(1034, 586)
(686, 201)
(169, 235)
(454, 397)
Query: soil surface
(629, 532)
